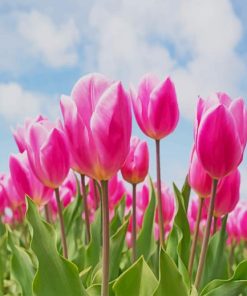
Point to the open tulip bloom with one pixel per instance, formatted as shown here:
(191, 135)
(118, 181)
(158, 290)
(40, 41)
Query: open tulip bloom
(70, 225)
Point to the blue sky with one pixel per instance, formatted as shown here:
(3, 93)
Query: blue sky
(48, 45)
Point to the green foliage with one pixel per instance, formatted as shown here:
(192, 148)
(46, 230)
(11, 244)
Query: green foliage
(178, 245)
(21, 267)
(170, 280)
(145, 241)
(55, 275)
(37, 268)
(234, 286)
(216, 265)
(137, 280)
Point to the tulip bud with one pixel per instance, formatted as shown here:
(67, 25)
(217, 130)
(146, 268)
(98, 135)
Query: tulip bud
(221, 134)
(24, 180)
(198, 178)
(135, 168)
(155, 106)
(48, 153)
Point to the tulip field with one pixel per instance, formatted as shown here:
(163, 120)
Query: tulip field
(81, 216)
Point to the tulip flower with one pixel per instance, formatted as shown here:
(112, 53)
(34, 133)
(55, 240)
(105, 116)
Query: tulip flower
(135, 168)
(198, 178)
(168, 205)
(97, 119)
(49, 159)
(9, 193)
(156, 111)
(227, 195)
(220, 136)
(24, 180)
(134, 171)
(20, 133)
(48, 153)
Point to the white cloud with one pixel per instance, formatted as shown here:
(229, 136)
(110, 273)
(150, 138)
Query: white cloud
(194, 41)
(17, 103)
(54, 43)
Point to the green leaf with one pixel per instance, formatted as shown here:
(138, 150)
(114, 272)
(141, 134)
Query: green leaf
(21, 267)
(95, 290)
(233, 286)
(117, 220)
(116, 246)
(55, 275)
(93, 249)
(3, 255)
(186, 193)
(178, 245)
(170, 280)
(216, 263)
(136, 280)
(145, 240)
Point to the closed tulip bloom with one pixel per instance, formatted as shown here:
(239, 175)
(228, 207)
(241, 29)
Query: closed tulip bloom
(25, 181)
(97, 119)
(20, 133)
(242, 224)
(221, 134)
(155, 106)
(227, 195)
(168, 205)
(135, 168)
(198, 178)
(48, 153)
(9, 192)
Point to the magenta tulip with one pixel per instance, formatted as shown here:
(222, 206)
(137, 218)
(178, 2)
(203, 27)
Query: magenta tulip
(20, 133)
(168, 205)
(12, 197)
(227, 195)
(97, 120)
(198, 178)
(155, 106)
(135, 168)
(48, 153)
(221, 134)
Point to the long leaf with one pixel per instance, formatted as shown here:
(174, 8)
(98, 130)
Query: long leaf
(55, 275)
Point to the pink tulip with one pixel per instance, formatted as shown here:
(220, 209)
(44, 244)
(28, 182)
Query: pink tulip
(221, 134)
(168, 205)
(234, 223)
(135, 168)
(193, 209)
(97, 120)
(198, 178)
(20, 133)
(11, 196)
(155, 106)
(48, 153)
(24, 180)
(116, 192)
(241, 231)
(227, 195)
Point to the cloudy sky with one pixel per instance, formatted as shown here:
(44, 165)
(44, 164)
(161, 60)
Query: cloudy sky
(47, 45)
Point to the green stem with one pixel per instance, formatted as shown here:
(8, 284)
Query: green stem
(106, 239)
(206, 236)
(134, 223)
(195, 237)
(159, 198)
(87, 222)
(60, 215)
